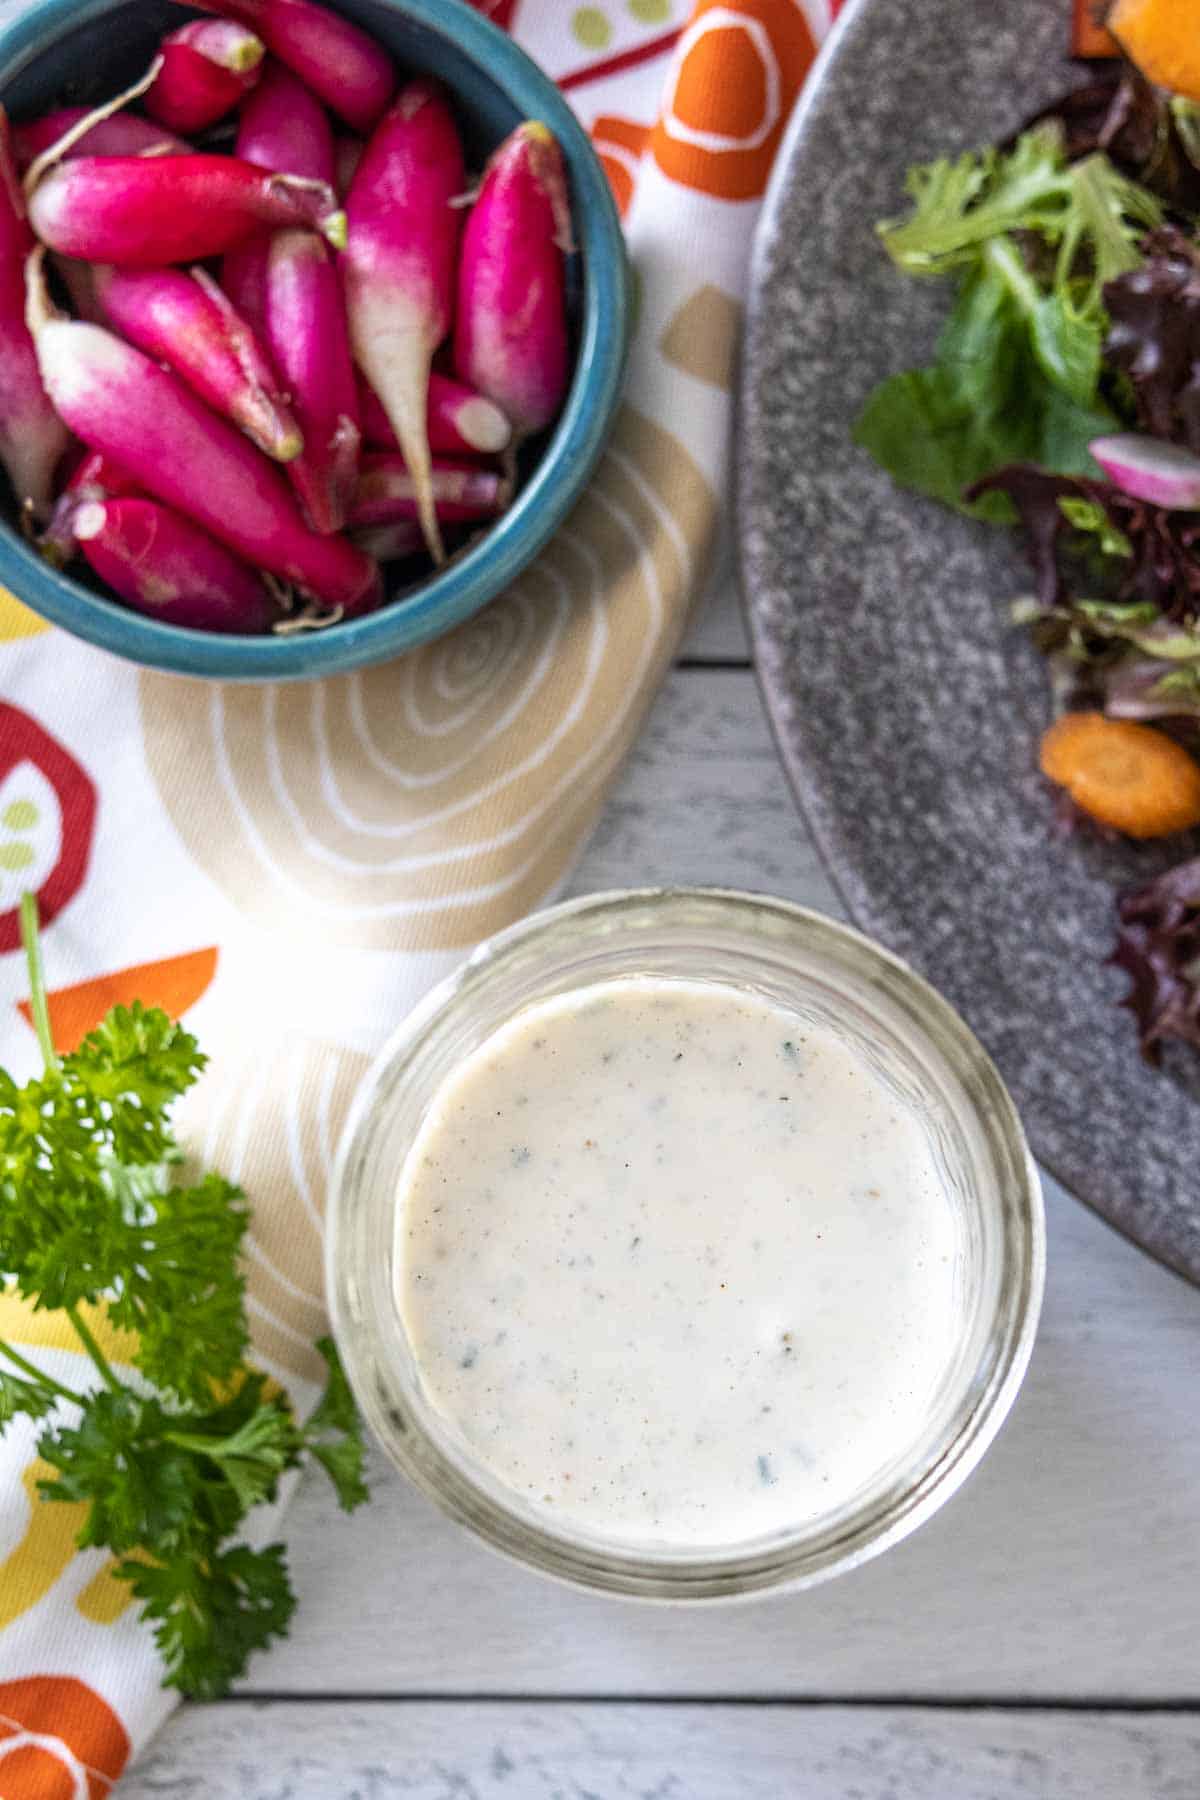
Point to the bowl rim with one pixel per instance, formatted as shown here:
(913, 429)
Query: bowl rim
(480, 573)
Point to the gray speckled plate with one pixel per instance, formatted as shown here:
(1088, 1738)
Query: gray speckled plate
(906, 710)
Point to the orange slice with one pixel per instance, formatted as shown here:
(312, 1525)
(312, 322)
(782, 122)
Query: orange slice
(1163, 38)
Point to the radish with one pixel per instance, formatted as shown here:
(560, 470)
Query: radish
(167, 567)
(96, 477)
(510, 338)
(119, 401)
(344, 67)
(32, 436)
(391, 543)
(124, 134)
(100, 477)
(399, 267)
(284, 127)
(457, 419)
(306, 330)
(1150, 469)
(244, 281)
(145, 212)
(347, 154)
(184, 320)
(208, 66)
(387, 491)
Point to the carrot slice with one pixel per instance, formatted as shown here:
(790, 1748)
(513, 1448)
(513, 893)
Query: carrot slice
(1128, 776)
(1163, 38)
(1089, 37)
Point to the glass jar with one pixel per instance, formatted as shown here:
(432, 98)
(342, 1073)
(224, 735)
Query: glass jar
(824, 972)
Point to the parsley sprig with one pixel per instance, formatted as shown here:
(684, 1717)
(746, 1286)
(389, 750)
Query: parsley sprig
(94, 1214)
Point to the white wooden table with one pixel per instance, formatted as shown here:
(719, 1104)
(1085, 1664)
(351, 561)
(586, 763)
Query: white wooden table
(1041, 1637)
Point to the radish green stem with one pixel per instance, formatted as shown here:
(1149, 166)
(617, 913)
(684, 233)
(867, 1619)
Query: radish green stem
(32, 940)
(94, 1351)
(36, 1374)
(57, 151)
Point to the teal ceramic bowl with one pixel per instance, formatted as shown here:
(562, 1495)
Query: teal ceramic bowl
(82, 51)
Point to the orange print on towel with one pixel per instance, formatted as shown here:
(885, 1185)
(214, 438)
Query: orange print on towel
(619, 145)
(174, 984)
(738, 68)
(58, 1741)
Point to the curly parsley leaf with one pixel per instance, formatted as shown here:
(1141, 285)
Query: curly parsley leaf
(88, 1211)
(115, 1460)
(20, 1396)
(91, 1215)
(333, 1434)
(246, 1443)
(211, 1614)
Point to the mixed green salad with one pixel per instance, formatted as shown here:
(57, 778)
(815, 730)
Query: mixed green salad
(1065, 398)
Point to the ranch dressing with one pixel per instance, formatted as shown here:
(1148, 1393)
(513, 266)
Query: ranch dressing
(675, 1264)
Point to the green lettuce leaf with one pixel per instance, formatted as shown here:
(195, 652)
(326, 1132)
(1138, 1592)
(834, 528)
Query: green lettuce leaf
(1031, 239)
(1015, 381)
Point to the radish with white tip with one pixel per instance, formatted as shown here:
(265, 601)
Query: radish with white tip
(1150, 469)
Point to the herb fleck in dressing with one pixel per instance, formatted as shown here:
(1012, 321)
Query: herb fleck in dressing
(676, 1264)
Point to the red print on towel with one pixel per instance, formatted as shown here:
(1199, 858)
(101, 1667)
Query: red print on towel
(47, 816)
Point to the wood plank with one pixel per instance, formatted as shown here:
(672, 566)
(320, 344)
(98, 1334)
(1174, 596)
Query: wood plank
(703, 799)
(1069, 1565)
(717, 632)
(423, 1751)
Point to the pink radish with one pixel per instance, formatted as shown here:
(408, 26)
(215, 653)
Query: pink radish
(399, 265)
(1150, 469)
(344, 67)
(184, 320)
(119, 401)
(32, 436)
(145, 212)
(96, 477)
(458, 420)
(284, 127)
(165, 566)
(462, 491)
(347, 154)
(124, 134)
(306, 330)
(391, 543)
(208, 66)
(244, 281)
(510, 336)
(100, 477)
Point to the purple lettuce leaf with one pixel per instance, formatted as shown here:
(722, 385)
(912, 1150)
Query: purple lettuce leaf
(1162, 569)
(1158, 947)
(1130, 121)
(1154, 335)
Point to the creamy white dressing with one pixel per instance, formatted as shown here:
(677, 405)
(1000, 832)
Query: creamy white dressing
(676, 1265)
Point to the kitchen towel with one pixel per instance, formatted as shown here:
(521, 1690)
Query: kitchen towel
(291, 867)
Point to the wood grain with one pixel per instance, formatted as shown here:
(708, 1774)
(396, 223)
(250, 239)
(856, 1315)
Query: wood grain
(421, 1751)
(717, 632)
